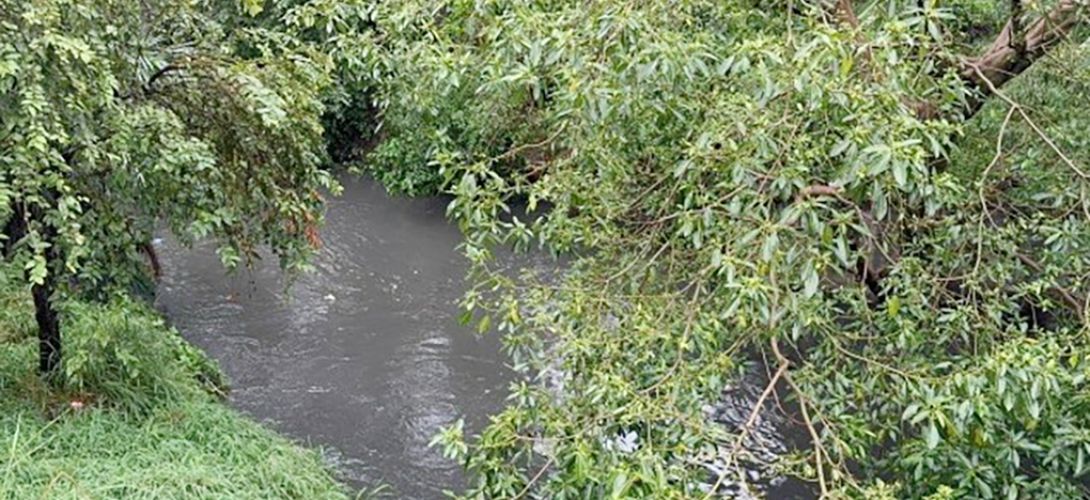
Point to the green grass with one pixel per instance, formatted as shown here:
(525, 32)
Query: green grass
(165, 436)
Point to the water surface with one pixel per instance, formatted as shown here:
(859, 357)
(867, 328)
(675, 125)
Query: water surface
(363, 356)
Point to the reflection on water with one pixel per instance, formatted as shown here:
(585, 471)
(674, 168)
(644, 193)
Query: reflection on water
(363, 356)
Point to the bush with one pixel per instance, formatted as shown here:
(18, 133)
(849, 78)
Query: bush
(16, 319)
(177, 443)
(124, 355)
(119, 353)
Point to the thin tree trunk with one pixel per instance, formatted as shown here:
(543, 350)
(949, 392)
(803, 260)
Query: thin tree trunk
(14, 230)
(49, 327)
(153, 260)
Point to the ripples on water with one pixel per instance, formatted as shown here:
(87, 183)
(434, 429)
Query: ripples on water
(363, 356)
(751, 472)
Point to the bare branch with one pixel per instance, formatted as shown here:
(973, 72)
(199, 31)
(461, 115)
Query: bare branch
(536, 477)
(994, 89)
(817, 190)
(819, 448)
(148, 87)
(747, 427)
(1072, 302)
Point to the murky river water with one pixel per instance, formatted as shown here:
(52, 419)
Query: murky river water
(364, 357)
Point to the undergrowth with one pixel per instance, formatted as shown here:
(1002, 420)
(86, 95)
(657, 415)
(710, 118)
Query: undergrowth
(136, 415)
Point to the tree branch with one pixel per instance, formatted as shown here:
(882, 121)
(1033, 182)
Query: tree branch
(818, 190)
(148, 87)
(747, 427)
(1073, 302)
(1018, 40)
(1013, 52)
(845, 13)
(819, 448)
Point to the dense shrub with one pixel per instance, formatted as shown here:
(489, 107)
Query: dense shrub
(827, 189)
(120, 353)
(123, 355)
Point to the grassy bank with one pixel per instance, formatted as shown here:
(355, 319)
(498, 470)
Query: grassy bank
(136, 417)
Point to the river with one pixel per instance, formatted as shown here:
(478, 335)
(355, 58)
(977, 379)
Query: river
(363, 356)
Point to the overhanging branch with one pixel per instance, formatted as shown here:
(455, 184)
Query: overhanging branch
(1014, 51)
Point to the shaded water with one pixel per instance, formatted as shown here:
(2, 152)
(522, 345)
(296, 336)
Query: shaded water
(363, 356)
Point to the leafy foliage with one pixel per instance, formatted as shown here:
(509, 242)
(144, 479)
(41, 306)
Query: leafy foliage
(129, 358)
(114, 118)
(734, 185)
(116, 121)
(812, 187)
(342, 32)
(177, 444)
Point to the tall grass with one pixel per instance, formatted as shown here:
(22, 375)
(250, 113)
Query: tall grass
(188, 450)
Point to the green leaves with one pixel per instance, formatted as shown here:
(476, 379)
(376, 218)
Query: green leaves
(116, 122)
(719, 177)
(229, 145)
(723, 175)
(36, 269)
(981, 425)
(722, 178)
(452, 441)
(252, 7)
(122, 354)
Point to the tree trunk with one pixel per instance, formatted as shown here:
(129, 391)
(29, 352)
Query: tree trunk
(49, 329)
(14, 230)
(1016, 49)
(49, 325)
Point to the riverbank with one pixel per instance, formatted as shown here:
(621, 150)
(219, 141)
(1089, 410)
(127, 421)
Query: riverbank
(137, 417)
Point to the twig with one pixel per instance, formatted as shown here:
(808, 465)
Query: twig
(819, 463)
(815, 190)
(980, 191)
(874, 362)
(1072, 302)
(636, 261)
(536, 477)
(748, 426)
(681, 345)
(1021, 111)
(522, 147)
